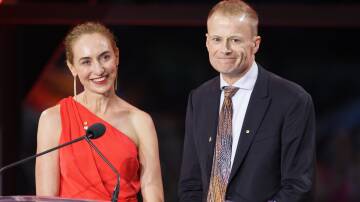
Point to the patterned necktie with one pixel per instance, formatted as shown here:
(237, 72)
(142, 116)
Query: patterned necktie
(221, 166)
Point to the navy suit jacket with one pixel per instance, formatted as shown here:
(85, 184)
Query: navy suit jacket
(275, 156)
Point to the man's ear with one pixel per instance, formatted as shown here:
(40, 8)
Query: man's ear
(257, 41)
(71, 68)
(207, 40)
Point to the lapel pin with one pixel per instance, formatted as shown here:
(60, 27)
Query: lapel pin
(210, 139)
(85, 125)
(247, 131)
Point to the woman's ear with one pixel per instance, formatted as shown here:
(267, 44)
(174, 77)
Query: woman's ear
(71, 68)
(117, 55)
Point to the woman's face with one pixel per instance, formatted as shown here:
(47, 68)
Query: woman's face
(95, 63)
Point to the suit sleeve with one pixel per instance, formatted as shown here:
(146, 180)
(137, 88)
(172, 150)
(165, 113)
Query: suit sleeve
(190, 184)
(298, 152)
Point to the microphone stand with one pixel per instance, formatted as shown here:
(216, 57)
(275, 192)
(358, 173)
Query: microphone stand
(115, 194)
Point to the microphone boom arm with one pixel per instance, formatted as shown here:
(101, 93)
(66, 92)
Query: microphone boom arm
(115, 194)
(40, 154)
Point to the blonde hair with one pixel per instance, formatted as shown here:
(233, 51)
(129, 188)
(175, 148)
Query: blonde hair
(87, 28)
(236, 8)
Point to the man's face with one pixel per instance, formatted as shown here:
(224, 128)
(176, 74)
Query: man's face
(231, 45)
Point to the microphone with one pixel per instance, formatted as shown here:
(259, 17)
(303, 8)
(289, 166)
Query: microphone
(115, 193)
(94, 131)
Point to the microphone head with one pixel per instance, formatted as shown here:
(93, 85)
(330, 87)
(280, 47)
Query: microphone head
(95, 131)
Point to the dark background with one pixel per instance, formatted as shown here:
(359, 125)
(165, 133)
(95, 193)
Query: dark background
(163, 56)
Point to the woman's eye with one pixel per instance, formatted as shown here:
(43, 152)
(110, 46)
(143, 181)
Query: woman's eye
(105, 57)
(85, 62)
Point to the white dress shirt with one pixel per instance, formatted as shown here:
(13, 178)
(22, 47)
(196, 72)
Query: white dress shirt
(240, 102)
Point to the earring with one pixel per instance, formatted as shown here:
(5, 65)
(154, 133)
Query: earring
(116, 83)
(75, 87)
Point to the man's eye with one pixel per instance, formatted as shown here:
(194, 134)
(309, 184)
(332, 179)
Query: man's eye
(236, 40)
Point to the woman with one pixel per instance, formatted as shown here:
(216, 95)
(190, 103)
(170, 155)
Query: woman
(130, 141)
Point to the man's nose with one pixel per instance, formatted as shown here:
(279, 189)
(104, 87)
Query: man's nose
(225, 47)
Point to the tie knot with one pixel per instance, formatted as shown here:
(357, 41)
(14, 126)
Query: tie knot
(230, 91)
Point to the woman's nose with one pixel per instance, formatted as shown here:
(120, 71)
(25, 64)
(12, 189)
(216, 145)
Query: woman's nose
(98, 68)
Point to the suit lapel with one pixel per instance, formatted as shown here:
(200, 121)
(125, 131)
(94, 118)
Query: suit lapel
(211, 116)
(255, 112)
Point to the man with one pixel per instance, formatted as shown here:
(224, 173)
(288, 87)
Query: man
(250, 135)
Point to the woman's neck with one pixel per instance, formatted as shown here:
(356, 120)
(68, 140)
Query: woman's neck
(97, 103)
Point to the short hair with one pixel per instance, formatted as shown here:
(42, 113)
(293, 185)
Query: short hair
(87, 28)
(236, 8)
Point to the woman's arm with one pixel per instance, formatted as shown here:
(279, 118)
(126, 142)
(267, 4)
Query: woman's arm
(47, 169)
(150, 178)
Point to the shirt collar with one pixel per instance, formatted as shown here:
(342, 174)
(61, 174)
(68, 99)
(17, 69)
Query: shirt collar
(247, 81)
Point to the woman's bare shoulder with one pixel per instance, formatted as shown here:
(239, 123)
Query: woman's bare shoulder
(50, 124)
(136, 115)
(141, 116)
(143, 125)
(140, 120)
(130, 110)
(51, 115)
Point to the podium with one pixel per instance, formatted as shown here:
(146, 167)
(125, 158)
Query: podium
(39, 198)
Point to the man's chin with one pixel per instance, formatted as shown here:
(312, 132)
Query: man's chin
(225, 69)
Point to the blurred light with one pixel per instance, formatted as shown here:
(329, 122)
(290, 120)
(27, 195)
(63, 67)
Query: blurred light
(8, 2)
